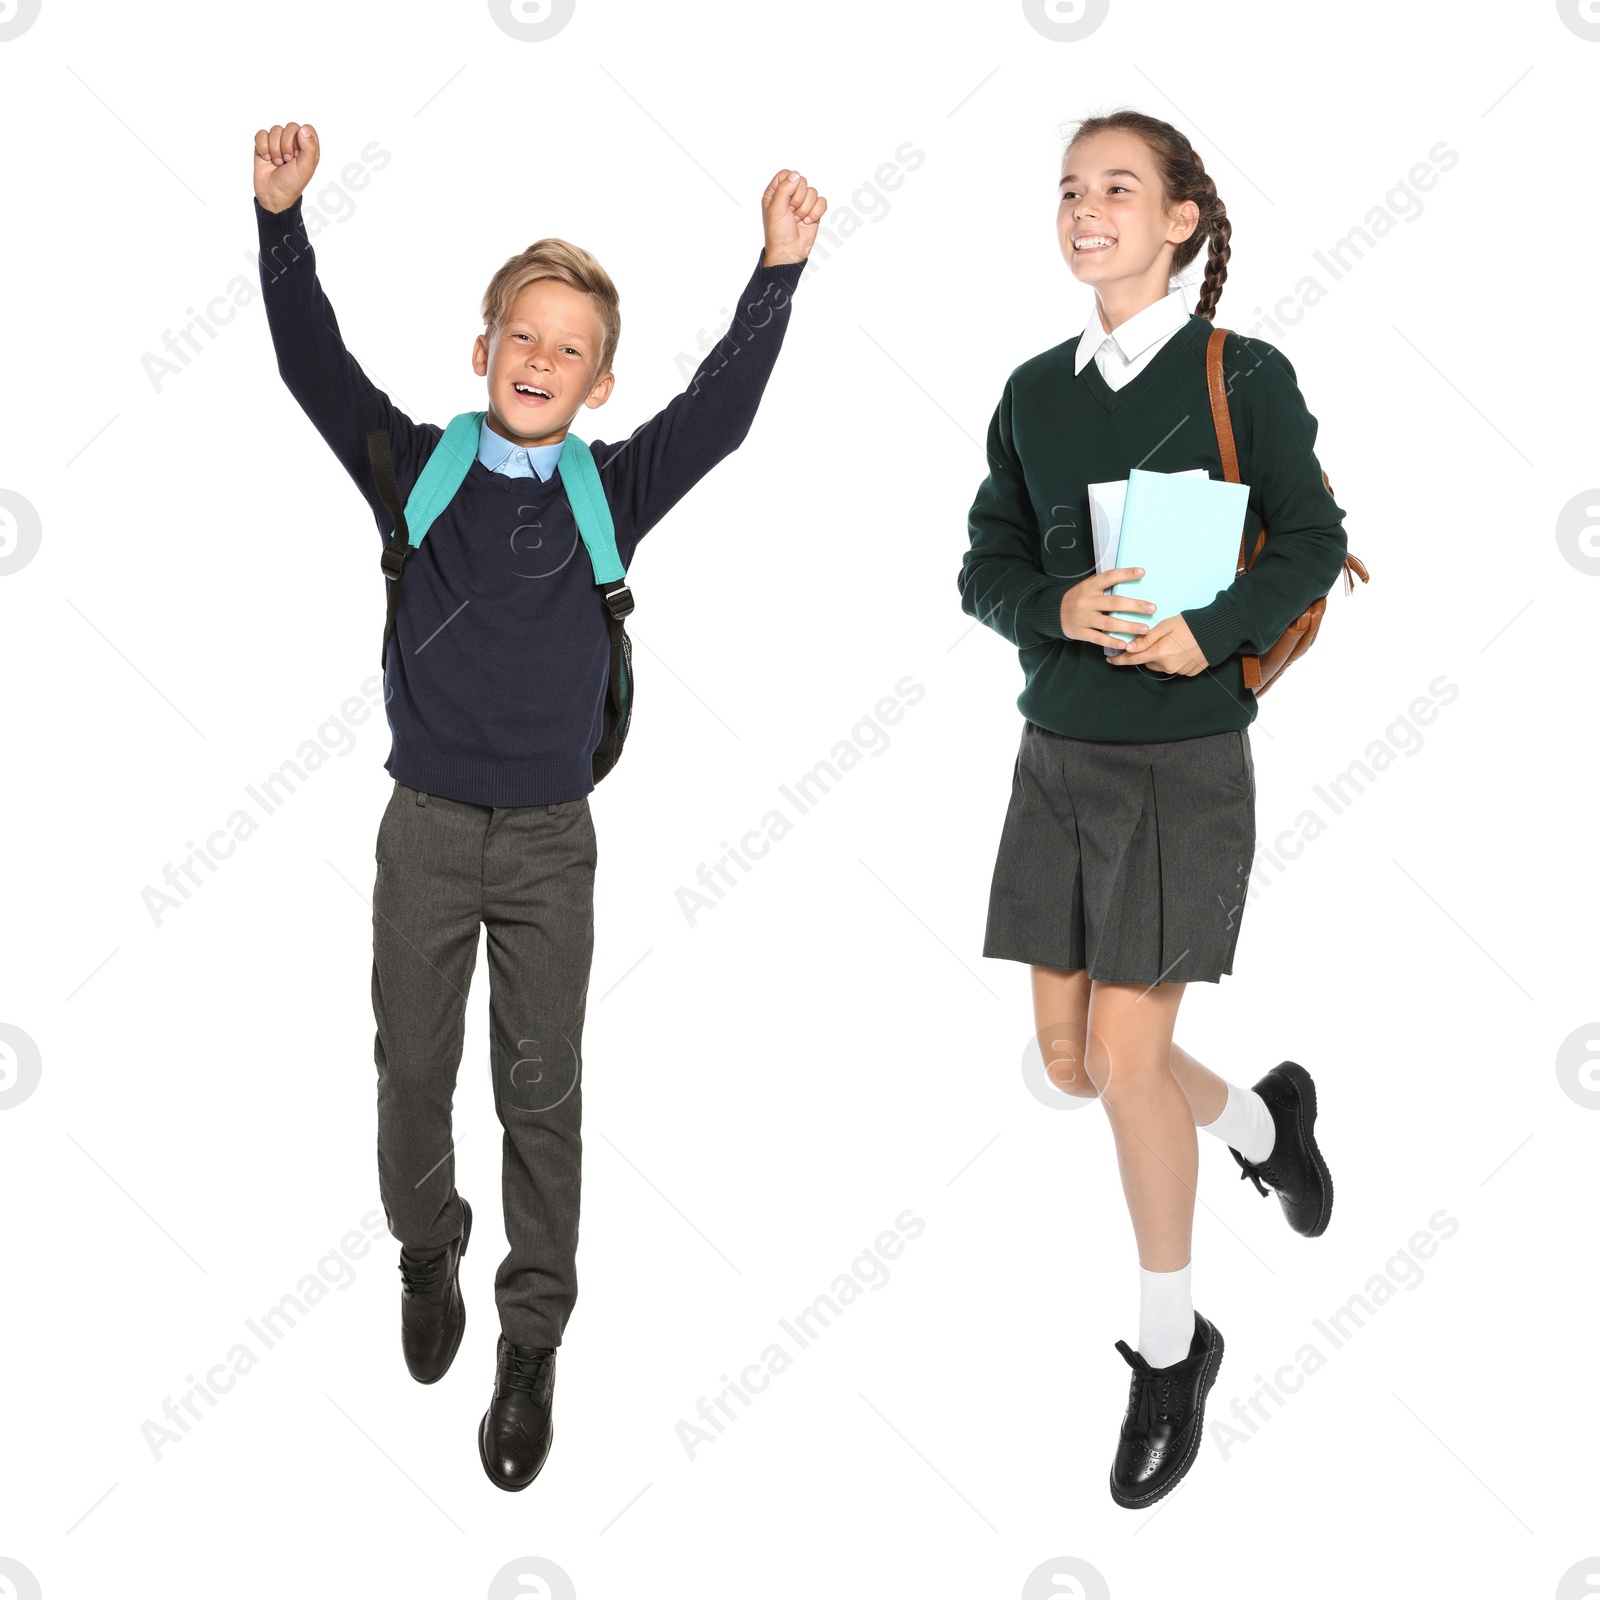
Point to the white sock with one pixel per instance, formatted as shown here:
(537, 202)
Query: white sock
(1245, 1123)
(1166, 1316)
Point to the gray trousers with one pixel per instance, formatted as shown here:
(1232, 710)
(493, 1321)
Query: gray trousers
(526, 873)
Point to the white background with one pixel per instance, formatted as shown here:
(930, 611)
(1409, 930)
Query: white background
(768, 1088)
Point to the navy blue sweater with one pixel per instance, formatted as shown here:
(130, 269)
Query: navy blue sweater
(496, 677)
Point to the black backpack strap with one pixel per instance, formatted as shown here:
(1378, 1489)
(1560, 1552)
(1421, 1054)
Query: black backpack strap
(619, 602)
(398, 546)
(619, 684)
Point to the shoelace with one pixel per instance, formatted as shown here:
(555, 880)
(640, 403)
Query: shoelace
(1147, 1407)
(1143, 1402)
(525, 1372)
(1256, 1173)
(421, 1277)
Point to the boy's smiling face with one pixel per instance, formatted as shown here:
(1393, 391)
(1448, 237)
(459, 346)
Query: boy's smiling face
(550, 342)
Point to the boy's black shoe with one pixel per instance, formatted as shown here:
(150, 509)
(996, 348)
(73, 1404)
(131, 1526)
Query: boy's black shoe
(1295, 1168)
(433, 1316)
(514, 1436)
(1166, 1415)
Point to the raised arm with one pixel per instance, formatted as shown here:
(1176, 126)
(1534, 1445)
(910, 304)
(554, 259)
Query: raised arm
(342, 403)
(650, 471)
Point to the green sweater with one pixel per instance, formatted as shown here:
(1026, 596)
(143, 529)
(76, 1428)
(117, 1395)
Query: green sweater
(1054, 433)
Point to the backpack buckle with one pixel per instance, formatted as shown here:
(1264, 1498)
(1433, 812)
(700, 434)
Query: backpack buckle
(393, 559)
(619, 600)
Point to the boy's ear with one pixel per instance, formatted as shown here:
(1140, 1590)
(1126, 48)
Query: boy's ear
(480, 356)
(600, 392)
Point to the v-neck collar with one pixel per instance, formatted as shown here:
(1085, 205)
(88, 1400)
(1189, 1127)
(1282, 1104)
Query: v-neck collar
(1112, 398)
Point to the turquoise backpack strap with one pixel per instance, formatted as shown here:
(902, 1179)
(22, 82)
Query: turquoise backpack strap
(440, 478)
(580, 477)
(442, 474)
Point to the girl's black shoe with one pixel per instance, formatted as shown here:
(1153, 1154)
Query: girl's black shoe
(1295, 1169)
(1165, 1419)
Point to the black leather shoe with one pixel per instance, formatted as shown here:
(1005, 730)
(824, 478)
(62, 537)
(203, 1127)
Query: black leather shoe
(433, 1316)
(1165, 1418)
(514, 1436)
(1295, 1169)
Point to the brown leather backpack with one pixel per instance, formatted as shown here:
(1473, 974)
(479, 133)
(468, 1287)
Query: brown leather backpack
(1300, 635)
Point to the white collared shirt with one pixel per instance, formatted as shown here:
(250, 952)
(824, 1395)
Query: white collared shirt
(1124, 354)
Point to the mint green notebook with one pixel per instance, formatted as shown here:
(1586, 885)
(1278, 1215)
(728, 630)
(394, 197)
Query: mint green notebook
(1185, 533)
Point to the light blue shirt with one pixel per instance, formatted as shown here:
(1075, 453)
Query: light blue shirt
(514, 460)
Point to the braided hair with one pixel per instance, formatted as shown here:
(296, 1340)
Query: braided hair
(1183, 176)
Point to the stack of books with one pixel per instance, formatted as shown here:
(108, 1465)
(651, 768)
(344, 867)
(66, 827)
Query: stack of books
(1183, 528)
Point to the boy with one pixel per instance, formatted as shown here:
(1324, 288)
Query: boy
(495, 682)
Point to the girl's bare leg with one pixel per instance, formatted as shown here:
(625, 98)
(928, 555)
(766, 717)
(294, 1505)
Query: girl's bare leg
(1114, 1041)
(1061, 1019)
(1128, 1061)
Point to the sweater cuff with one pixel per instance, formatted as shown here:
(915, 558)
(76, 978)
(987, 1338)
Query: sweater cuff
(1218, 628)
(1040, 614)
(786, 272)
(288, 217)
(278, 234)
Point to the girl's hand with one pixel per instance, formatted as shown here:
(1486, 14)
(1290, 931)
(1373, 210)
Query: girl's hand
(1167, 647)
(790, 212)
(1084, 607)
(286, 156)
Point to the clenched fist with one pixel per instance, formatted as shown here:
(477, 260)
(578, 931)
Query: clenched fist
(790, 212)
(286, 156)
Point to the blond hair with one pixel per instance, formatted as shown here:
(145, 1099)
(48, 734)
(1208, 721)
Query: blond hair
(566, 263)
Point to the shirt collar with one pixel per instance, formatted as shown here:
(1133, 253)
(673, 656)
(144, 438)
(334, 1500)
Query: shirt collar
(1132, 338)
(513, 460)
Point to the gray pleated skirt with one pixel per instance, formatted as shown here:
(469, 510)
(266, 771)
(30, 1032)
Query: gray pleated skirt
(1131, 861)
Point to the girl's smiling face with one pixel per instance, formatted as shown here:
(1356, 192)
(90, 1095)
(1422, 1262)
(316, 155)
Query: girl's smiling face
(1112, 224)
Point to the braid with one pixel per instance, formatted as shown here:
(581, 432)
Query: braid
(1220, 234)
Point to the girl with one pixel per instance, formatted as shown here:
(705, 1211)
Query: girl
(1127, 846)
